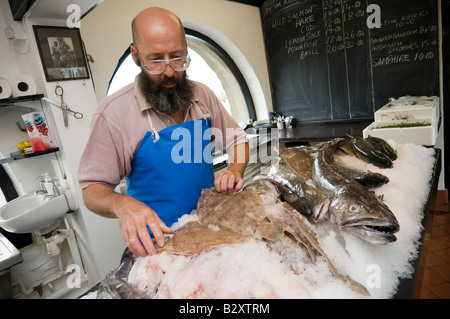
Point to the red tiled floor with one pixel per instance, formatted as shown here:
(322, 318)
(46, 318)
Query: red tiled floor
(435, 244)
(436, 273)
(425, 293)
(433, 260)
(444, 254)
(441, 291)
(430, 278)
(443, 271)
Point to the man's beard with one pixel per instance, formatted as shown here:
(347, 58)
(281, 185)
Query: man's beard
(163, 100)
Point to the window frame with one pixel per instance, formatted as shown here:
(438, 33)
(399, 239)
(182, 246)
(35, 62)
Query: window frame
(119, 64)
(225, 57)
(7, 186)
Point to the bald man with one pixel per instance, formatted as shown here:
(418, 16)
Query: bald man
(156, 132)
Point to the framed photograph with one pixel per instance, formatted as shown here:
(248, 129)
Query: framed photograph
(62, 53)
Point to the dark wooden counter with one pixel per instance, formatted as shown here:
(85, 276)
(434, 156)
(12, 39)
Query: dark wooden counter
(322, 132)
(410, 287)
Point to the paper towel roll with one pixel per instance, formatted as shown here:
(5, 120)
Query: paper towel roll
(22, 85)
(5, 89)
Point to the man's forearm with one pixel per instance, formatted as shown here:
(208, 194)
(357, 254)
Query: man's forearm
(101, 199)
(238, 159)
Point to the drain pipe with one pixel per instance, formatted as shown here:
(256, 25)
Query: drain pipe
(52, 241)
(47, 282)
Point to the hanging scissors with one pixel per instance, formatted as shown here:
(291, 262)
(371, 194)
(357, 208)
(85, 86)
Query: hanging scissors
(59, 91)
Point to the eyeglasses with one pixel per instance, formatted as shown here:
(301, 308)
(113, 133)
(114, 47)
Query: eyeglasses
(159, 66)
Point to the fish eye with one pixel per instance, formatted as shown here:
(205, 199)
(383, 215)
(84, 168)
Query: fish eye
(354, 209)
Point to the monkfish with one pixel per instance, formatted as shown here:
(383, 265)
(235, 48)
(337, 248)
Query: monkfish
(258, 211)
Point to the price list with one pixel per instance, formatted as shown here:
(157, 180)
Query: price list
(325, 63)
(405, 44)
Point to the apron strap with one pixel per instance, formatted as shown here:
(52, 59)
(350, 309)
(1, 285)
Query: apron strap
(205, 116)
(155, 134)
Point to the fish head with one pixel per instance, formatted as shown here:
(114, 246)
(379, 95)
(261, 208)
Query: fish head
(366, 217)
(266, 190)
(368, 153)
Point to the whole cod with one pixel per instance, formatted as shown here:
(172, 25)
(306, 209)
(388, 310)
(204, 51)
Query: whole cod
(353, 207)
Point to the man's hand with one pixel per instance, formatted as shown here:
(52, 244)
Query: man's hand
(232, 180)
(228, 182)
(134, 217)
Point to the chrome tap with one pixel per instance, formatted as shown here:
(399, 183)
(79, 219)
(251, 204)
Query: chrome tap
(56, 190)
(47, 190)
(41, 190)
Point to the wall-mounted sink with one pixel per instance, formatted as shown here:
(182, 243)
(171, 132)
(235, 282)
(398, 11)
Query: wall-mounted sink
(30, 213)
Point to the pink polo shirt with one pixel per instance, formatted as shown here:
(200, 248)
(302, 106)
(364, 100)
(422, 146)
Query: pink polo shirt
(120, 122)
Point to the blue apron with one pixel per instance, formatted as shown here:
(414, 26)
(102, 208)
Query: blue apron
(171, 168)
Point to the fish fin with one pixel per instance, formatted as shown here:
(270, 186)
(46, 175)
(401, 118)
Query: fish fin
(315, 249)
(354, 285)
(345, 146)
(359, 288)
(270, 231)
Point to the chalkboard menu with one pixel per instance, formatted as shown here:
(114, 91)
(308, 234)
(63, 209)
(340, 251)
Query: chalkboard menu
(340, 60)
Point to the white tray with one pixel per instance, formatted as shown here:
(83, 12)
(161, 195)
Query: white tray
(409, 108)
(420, 135)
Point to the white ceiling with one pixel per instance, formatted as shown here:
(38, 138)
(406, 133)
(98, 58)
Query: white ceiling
(51, 9)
